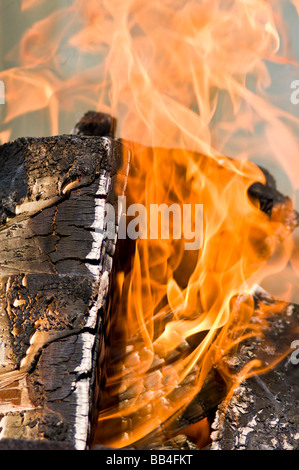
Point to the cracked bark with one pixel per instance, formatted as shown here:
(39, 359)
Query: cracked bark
(55, 266)
(261, 414)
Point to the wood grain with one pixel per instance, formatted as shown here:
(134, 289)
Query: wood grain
(55, 265)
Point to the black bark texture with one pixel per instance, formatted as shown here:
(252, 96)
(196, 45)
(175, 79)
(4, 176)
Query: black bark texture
(263, 412)
(55, 265)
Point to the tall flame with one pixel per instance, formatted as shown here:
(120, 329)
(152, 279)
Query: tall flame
(189, 82)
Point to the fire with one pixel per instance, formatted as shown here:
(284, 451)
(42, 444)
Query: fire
(172, 296)
(189, 82)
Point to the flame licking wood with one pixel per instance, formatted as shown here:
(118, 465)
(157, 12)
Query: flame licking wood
(189, 83)
(178, 312)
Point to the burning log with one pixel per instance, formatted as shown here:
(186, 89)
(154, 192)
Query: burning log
(56, 261)
(56, 269)
(203, 106)
(202, 406)
(96, 124)
(267, 194)
(214, 389)
(261, 413)
(127, 386)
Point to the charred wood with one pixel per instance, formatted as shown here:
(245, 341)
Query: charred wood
(55, 266)
(267, 194)
(202, 406)
(261, 414)
(96, 124)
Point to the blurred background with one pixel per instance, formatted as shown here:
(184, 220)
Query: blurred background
(15, 22)
(17, 17)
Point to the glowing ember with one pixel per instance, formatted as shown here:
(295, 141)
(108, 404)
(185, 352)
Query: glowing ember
(188, 82)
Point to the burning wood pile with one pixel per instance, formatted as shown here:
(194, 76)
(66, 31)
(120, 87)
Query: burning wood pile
(133, 250)
(56, 320)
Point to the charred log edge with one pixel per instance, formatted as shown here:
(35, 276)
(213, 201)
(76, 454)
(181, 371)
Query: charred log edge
(112, 160)
(98, 370)
(98, 332)
(102, 320)
(259, 417)
(27, 444)
(60, 336)
(122, 258)
(122, 262)
(260, 414)
(96, 124)
(100, 124)
(267, 194)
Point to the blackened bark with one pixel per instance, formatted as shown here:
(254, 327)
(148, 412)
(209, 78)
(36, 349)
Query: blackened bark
(55, 265)
(267, 194)
(96, 124)
(262, 414)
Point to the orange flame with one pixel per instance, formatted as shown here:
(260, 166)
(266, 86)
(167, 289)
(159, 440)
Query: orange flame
(189, 82)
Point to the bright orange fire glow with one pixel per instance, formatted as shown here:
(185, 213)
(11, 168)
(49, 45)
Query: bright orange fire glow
(189, 83)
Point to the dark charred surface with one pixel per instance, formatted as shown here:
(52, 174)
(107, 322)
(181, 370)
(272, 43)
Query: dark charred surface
(262, 414)
(55, 300)
(96, 124)
(55, 266)
(27, 444)
(267, 194)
